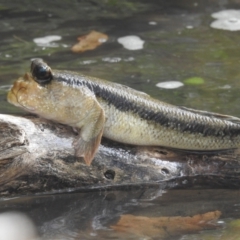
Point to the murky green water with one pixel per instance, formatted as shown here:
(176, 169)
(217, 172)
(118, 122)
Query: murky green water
(179, 44)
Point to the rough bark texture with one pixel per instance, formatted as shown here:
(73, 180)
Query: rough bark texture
(36, 156)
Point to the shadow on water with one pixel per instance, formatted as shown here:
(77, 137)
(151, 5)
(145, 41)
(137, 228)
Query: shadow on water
(179, 45)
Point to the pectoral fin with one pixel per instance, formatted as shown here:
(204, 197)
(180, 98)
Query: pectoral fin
(87, 149)
(90, 135)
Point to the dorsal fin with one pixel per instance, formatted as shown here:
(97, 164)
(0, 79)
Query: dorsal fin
(213, 114)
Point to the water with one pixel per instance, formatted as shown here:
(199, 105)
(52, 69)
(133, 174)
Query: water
(179, 45)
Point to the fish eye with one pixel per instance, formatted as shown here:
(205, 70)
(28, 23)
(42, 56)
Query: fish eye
(41, 72)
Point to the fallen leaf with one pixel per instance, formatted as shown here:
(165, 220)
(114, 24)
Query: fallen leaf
(89, 41)
(163, 227)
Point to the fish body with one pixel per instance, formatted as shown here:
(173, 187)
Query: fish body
(97, 107)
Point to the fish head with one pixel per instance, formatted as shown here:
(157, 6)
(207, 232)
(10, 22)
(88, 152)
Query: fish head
(39, 93)
(27, 94)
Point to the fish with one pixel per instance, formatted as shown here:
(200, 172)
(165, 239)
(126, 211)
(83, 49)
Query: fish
(96, 108)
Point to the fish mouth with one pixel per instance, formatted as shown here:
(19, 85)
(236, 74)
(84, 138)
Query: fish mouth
(12, 97)
(17, 92)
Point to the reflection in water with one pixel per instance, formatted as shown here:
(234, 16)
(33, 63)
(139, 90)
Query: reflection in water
(94, 214)
(165, 227)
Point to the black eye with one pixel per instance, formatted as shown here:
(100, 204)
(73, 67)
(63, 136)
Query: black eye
(41, 72)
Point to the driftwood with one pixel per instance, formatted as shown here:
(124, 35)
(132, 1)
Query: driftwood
(36, 156)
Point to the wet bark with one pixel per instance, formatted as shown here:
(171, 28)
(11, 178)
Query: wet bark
(36, 156)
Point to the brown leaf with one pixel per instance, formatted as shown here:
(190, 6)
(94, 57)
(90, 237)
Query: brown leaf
(89, 41)
(162, 227)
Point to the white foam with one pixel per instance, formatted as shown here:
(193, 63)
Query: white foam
(47, 41)
(226, 20)
(170, 84)
(131, 42)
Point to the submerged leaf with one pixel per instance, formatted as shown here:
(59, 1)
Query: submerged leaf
(89, 41)
(162, 227)
(194, 81)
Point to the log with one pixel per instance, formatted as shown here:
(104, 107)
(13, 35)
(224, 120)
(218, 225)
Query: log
(36, 156)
